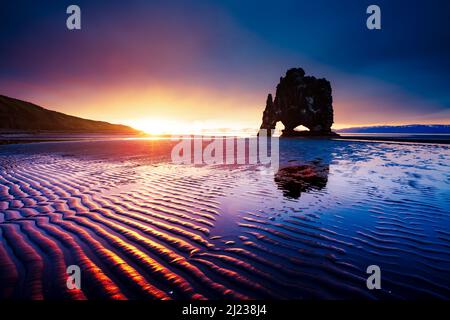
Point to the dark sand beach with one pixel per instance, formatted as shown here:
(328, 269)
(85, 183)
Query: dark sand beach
(141, 227)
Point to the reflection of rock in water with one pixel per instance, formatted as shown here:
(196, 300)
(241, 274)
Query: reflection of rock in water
(294, 180)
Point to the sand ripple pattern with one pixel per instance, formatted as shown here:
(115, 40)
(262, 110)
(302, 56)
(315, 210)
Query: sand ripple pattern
(162, 231)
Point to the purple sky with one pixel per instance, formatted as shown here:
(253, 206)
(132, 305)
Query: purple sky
(211, 63)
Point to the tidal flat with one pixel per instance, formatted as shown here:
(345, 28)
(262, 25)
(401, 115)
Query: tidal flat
(141, 227)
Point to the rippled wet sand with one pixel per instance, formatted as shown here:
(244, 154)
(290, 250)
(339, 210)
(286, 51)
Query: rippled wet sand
(142, 228)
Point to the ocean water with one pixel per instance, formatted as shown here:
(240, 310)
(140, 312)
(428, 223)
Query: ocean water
(141, 227)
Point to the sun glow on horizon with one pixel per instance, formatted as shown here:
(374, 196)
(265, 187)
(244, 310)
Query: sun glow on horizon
(156, 126)
(162, 126)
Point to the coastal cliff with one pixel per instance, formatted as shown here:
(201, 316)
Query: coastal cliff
(18, 115)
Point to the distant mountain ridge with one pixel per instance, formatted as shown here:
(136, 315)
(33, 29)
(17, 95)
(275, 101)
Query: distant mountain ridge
(18, 115)
(411, 128)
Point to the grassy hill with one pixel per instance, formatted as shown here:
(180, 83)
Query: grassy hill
(18, 115)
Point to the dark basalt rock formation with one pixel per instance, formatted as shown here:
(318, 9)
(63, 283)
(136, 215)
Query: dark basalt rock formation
(300, 100)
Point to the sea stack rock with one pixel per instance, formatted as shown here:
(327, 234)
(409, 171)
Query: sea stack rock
(300, 100)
